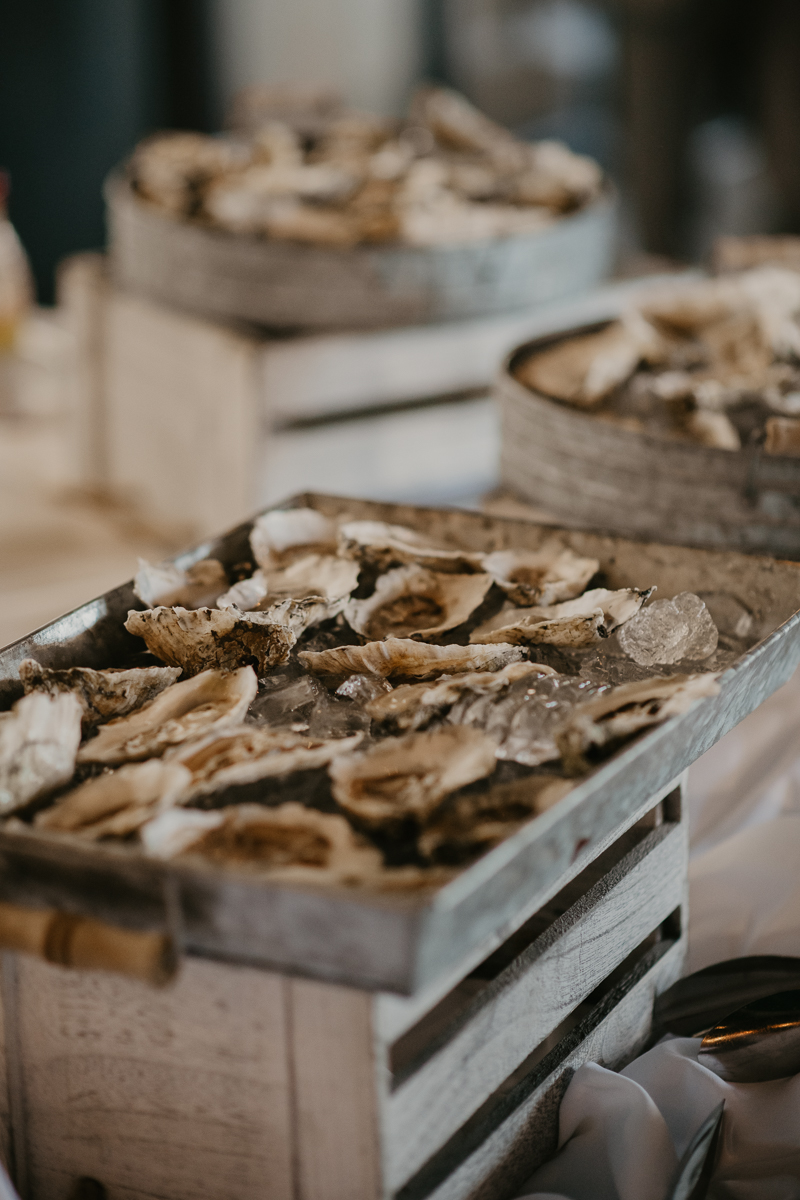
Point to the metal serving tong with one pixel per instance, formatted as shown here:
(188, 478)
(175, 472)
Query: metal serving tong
(697, 1165)
(748, 1013)
(701, 1000)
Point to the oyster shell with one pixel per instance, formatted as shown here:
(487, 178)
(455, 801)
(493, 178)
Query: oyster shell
(408, 777)
(412, 601)
(545, 576)
(624, 711)
(211, 700)
(117, 803)
(166, 583)
(39, 740)
(577, 622)
(103, 694)
(402, 656)
(290, 840)
(415, 705)
(246, 753)
(196, 639)
(584, 370)
(281, 530)
(783, 436)
(247, 594)
(383, 546)
(315, 575)
(472, 824)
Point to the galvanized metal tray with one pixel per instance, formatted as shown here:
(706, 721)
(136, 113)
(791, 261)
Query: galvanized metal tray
(390, 941)
(285, 285)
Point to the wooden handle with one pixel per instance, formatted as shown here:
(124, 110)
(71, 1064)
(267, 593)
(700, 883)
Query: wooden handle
(81, 942)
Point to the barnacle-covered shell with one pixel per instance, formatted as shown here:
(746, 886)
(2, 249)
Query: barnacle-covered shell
(166, 583)
(275, 532)
(624, 711)
(247, 753)
(471, 824)
(414, 602)
(409, 776)
(576, 622)
(115, 804)
(383, 546)
(402, 656)
(414, 705)
(290, 840)
(195, 706)
(103, 694)
(39, 739)
(543, 577)
(211, 637)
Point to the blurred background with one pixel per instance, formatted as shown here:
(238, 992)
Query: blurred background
(691, 106)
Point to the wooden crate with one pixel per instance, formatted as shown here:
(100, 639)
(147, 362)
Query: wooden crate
(197, 423)
(235, 1082)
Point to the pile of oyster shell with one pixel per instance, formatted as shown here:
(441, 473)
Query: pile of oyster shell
(337, 178)
(716, 361)
(360, 705)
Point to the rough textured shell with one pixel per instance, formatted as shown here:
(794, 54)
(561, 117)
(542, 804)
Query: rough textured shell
(166, 583)
(576, 622)
(544, 576)
(402, 656)
(410, 776)
(412, 601)
(384, 546)
(211, 637)
(116, 804)
(250, 752)
(626, 710)
(104, 694)
(414, 705)
(195, 706)
(39, 739)
(292, 840)
(284, 529)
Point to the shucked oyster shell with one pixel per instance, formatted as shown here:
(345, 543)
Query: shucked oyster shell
(409, 776)
(322, 577)
(166, 583)
(210, 637)
(291, 841)
(624, 711)
(402, 656)
(281, 530)
(471, 824)
(246, 753)
(39, 739)
(103, 694)
(544, 577)
(116, 804)
(414, 602)
(577, 622)
(415, 705)
(383, 546)
(195, 706)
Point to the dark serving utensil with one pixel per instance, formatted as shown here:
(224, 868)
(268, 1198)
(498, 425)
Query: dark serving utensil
(759, 1041)
(697, 1165)
(703, 999)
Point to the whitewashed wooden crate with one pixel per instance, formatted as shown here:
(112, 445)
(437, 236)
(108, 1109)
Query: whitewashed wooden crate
(236, 1082)
(198, 423)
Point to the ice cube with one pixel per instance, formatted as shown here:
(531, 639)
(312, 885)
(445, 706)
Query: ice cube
(363, 688)
(669, 631)
(285, 701)
(332, 718)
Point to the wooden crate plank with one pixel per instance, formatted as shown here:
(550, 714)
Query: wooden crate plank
(532, 997)
(334, 1092)
(504, 1160)
(181, 1092)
